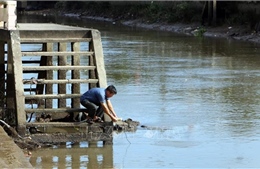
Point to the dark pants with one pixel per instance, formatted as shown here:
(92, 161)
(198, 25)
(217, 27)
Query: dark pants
(92, 109)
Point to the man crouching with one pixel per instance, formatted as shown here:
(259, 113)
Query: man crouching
(96, 100)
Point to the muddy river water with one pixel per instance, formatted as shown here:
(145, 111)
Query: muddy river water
(201, 96)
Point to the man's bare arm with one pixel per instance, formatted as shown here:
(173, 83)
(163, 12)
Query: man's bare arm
(107, 111)
(110, 107)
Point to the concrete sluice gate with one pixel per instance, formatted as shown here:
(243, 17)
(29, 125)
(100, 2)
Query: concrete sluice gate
(65, 60)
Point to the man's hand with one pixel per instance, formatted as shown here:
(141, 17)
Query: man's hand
(114, 119)
(119, 119)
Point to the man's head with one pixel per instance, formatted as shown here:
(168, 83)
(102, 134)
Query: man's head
(110, 91)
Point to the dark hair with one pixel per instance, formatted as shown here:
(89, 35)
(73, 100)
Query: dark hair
(112, 89)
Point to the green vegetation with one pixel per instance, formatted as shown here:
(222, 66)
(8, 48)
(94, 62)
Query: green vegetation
(200, 31)
(148, 10)
(228, 12)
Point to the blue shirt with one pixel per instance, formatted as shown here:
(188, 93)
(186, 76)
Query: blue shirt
(95, 95)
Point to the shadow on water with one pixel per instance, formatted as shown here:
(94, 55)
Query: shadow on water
(203, 91)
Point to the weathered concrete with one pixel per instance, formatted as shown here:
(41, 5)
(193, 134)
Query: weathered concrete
(11, 156)
(68, 39)
(46, 26)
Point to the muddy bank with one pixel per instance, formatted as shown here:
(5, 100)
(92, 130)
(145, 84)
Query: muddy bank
(193, 29)
(237, 32)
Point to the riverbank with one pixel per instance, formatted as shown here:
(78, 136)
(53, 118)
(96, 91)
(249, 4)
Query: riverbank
(193, 29)
(236, 32)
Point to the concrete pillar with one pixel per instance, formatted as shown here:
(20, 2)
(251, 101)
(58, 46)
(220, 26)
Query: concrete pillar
(8, 17)
(2, 12)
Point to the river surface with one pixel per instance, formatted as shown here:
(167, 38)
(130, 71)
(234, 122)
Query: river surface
(200, 95)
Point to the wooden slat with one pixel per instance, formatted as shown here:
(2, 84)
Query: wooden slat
(37, 68)
(35, 53)
(53, 110)
(52, 96)
(62, 81)
(52, 40)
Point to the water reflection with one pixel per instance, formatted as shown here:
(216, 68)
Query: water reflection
(74, 156)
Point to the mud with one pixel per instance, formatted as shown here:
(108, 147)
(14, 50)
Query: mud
(236, 32)
(126, 125)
